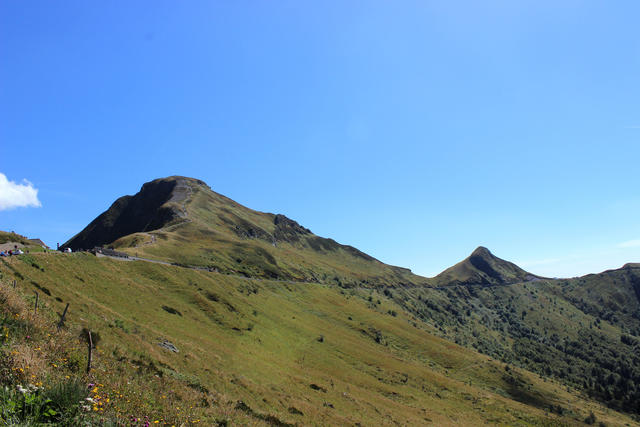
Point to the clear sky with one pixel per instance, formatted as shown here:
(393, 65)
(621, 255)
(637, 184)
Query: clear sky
(414, 131)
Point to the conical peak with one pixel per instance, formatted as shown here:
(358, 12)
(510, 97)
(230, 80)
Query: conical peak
(482, 251)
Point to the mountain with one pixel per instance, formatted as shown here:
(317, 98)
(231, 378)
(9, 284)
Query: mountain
(157, 205)
(584, 331)
(250, 318)
(483, 268)
(181, 220)
(190, 346)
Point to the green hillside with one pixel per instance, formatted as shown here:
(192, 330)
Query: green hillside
(584, 332)
(222, 314)
(182, 220)
(483, 268)
(273, 352)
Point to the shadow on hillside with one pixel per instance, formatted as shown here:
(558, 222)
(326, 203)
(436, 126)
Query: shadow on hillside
(519, 390)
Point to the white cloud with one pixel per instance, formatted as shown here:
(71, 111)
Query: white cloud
(630, 244)
(14, 195)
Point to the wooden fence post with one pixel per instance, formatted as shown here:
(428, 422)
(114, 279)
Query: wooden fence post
(35, 307)
(14, 284)
(90, 348)
(64, 313)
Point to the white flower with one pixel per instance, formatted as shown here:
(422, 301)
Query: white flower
(86, 408)
(88, 399)
(22, 389)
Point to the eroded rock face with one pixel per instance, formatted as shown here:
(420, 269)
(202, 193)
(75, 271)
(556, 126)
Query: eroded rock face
(148, 210)
(288, 230)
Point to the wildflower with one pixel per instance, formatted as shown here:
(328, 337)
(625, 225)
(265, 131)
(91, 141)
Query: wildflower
(88, 399)
(86, 408)
(22, 389)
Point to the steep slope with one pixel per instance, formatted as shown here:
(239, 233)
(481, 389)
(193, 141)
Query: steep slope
(584, 332)
(183, 221)
(483, 268)
(262, 352)
(155, 206)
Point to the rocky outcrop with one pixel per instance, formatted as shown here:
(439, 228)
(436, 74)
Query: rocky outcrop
(157, 204)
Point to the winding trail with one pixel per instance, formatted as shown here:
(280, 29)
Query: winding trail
(194, 267)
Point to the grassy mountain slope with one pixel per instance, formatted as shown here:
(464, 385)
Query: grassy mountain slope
(183, 221)
(291, 352)
(482, 268)
(584, 332)
(292, 324)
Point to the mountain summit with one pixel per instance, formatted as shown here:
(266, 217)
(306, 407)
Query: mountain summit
(181, 220)
(483, 268)
(159, 203)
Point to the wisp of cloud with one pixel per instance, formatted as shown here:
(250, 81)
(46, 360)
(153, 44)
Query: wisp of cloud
(14, 195)
(630, 244)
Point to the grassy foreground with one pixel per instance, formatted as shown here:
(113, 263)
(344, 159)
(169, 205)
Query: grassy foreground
(249, 352)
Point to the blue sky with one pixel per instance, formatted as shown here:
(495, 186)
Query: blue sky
(414, 131)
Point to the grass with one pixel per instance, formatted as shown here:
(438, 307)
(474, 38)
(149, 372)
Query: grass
(249, 351)
(580, 331)
(218, 233)
(12, 237)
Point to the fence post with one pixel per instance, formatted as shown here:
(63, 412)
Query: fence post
(89, 358)
(64, 313)
(35, 307)
(14, 284)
